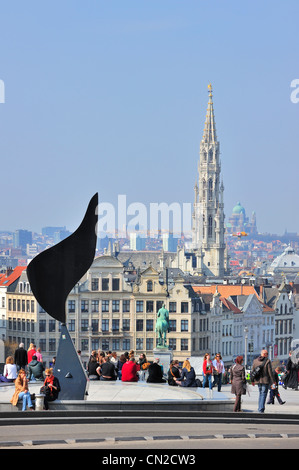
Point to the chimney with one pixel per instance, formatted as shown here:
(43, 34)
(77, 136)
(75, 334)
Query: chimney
(9, 270)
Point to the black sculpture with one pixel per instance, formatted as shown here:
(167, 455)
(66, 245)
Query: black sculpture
(52, 275)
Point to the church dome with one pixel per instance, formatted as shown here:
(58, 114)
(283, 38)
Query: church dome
(288, 261)
(238, 209)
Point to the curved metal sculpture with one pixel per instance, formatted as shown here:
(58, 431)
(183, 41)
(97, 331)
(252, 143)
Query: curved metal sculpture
(52, 275)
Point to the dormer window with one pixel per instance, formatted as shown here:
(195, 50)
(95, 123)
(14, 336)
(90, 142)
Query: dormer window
(149, 286)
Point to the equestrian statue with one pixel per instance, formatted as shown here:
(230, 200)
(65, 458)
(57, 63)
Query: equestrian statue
(162, 326)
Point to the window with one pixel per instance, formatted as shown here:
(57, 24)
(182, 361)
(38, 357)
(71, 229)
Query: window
(71, 306)
(159, 304)
(210, 196)
(184, 344)
(139, 325)
(210, 227)
(149, 286)
(52, 345)
(95, 306)
(115, 345)
(115, 305)
(95, 343)
(172, 307)
(115, 325)
(139, 306)
(105, 344)
(94, 325)
(84, 344)
(84, 306)
(139, 343)
(72, 324)
(149, 344)
(172, 325)
(52, 325)
(149, 325)
(126, 345)
(42, 326)
(149, 306)
(105, 305)
(105, 324)
(84, 324)
(126, 306)
(184, 307)
(105, 283)
(115, 284)
(95, 284)
(172, 344)
(126, 324)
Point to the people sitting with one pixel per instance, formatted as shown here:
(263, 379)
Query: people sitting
(173, 372)
(188, 377)
(22, 392)
(107, 370)
(129, 371)
(155, 373)
(10, 371)
(51, 388)
(93, 367)
(35, 369)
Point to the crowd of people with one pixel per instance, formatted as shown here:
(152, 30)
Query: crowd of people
(27, 366)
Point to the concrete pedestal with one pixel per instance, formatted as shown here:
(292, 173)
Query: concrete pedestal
(165, 357)
(39, 402)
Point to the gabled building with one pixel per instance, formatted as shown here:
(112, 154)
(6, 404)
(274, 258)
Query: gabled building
(281, 300)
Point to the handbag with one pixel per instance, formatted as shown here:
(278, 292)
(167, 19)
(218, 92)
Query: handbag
(45, 390)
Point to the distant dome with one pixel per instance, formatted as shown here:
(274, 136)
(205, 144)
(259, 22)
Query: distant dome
(288, 261)
(238, 209)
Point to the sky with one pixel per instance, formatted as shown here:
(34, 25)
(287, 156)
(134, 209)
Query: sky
(111, 96)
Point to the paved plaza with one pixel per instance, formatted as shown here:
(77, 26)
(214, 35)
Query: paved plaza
(99, 391)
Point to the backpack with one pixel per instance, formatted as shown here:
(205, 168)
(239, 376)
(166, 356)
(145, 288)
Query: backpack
(256, 373)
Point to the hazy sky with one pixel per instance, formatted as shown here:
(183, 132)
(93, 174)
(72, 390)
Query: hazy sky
(111, 96)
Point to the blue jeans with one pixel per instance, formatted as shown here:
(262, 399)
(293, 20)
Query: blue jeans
(218, 381)
(209, 378)
(263, 391)
(26, 400)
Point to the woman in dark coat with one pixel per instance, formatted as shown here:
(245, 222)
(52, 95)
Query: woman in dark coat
(155, 374)
(238, 380)
(291, 379)
(187, 378)
(173, 373)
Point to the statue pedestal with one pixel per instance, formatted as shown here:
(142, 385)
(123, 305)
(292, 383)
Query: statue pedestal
(165, 358)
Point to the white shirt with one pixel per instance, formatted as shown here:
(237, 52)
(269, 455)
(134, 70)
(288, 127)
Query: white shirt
(11, 370)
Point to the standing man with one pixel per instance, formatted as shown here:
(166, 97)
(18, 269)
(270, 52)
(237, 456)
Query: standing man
(21, 357)
(265, 379)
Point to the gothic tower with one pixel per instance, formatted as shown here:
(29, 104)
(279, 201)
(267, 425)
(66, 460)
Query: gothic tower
(208, 209)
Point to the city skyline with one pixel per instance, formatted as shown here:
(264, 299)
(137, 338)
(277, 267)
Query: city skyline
(113, 100)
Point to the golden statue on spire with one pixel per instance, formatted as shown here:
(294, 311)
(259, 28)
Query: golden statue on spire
(210, 89)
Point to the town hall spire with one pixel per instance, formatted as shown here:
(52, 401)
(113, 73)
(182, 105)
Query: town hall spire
(208, 214)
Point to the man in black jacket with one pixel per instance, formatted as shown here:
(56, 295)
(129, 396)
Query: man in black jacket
(21, 358)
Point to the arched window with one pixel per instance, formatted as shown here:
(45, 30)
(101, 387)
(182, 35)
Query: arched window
(210, 197)
(149, 286)
(210, 226)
